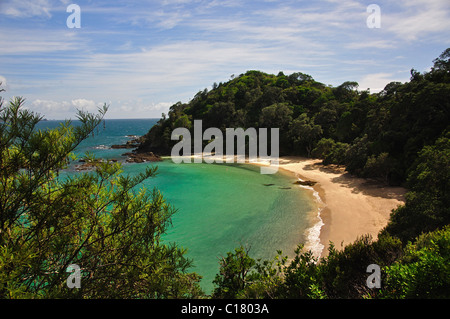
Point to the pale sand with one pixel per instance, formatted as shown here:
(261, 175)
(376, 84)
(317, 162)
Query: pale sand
(353, 206)
(350, 206)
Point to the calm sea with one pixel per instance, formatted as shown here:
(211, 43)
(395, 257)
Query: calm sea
(220, 206)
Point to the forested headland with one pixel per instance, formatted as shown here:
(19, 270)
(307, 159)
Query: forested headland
(374, 135)
(399, 136)
(99, 219)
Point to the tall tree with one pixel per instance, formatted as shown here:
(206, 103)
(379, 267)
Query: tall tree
(305, 132)
(96, 220)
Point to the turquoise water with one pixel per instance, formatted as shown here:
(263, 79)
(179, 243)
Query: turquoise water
(220, 206)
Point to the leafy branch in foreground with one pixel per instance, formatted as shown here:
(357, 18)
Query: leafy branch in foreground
(98, 220)
(418, 270)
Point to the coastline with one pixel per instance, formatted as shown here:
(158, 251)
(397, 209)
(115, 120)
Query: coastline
(350, 206)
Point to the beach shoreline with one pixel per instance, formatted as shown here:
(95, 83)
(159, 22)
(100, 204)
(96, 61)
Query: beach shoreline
(348, 207)
(352, 206)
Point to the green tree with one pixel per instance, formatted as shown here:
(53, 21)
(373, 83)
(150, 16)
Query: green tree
(234, 272)
(305, 132)
(267, 279)
(183, 121)
(424, 269)
(357, 154)
(331, 151)
(97, 220)
(428, 201)
(441, 67)
(301, 277)
(277, 115)
(379, 166)
(346, 91)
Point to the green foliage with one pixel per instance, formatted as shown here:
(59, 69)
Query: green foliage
(379, 166)
(305, 132)
(424, 269)
(234, 273)
(357, 154)
(276, 115)
(380, 134)
(266, 280)
(102, 222)
(428, 201)
(301, 277)
(331, 151)
(342, 274)
(241, 276)
(399, 136)
(97, 220)
(376, 135)
(417, 266)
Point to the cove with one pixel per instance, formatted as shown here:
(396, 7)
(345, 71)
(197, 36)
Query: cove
(222, 206)
(219, 206)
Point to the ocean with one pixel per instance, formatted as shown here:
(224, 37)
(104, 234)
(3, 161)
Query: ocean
(219, 206)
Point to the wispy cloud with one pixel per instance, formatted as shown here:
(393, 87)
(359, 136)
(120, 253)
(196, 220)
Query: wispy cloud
(26, 8)
(376, 44)
(20, 41)
(377, 81)
(141, 56)
(419, 18)
(60, 108)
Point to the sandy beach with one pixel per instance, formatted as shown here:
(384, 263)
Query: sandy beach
(351, 207)
(348, 207)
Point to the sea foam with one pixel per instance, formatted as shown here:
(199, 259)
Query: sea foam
(313, 233)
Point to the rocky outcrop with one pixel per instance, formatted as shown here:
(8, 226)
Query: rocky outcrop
(91, 164)
(305, 183)
(142, 157)
(129, 144)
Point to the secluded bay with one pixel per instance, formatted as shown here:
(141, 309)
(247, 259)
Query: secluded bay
(220, 206)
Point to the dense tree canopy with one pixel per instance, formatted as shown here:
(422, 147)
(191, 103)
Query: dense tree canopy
(374, 135)
(102, 222)
(98, 221)
(398, 136)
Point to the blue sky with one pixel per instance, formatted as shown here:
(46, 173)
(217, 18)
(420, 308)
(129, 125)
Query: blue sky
(142, 56)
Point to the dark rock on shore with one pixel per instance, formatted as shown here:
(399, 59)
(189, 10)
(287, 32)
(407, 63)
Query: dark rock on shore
(129, 144)
(139, 154)
(142, 157)
(88, 165)
(306, 183)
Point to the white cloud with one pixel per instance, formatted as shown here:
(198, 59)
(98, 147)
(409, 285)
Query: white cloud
(418, 18)
(85, 105)
(14, 41)
(131, 108)
(26, 8)
(48, 106)
(377, 81)
(377, 44)
(168, 64)
(142, 55)
(3, 81)
(62, 109)
(138, 108)
(168, 20)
